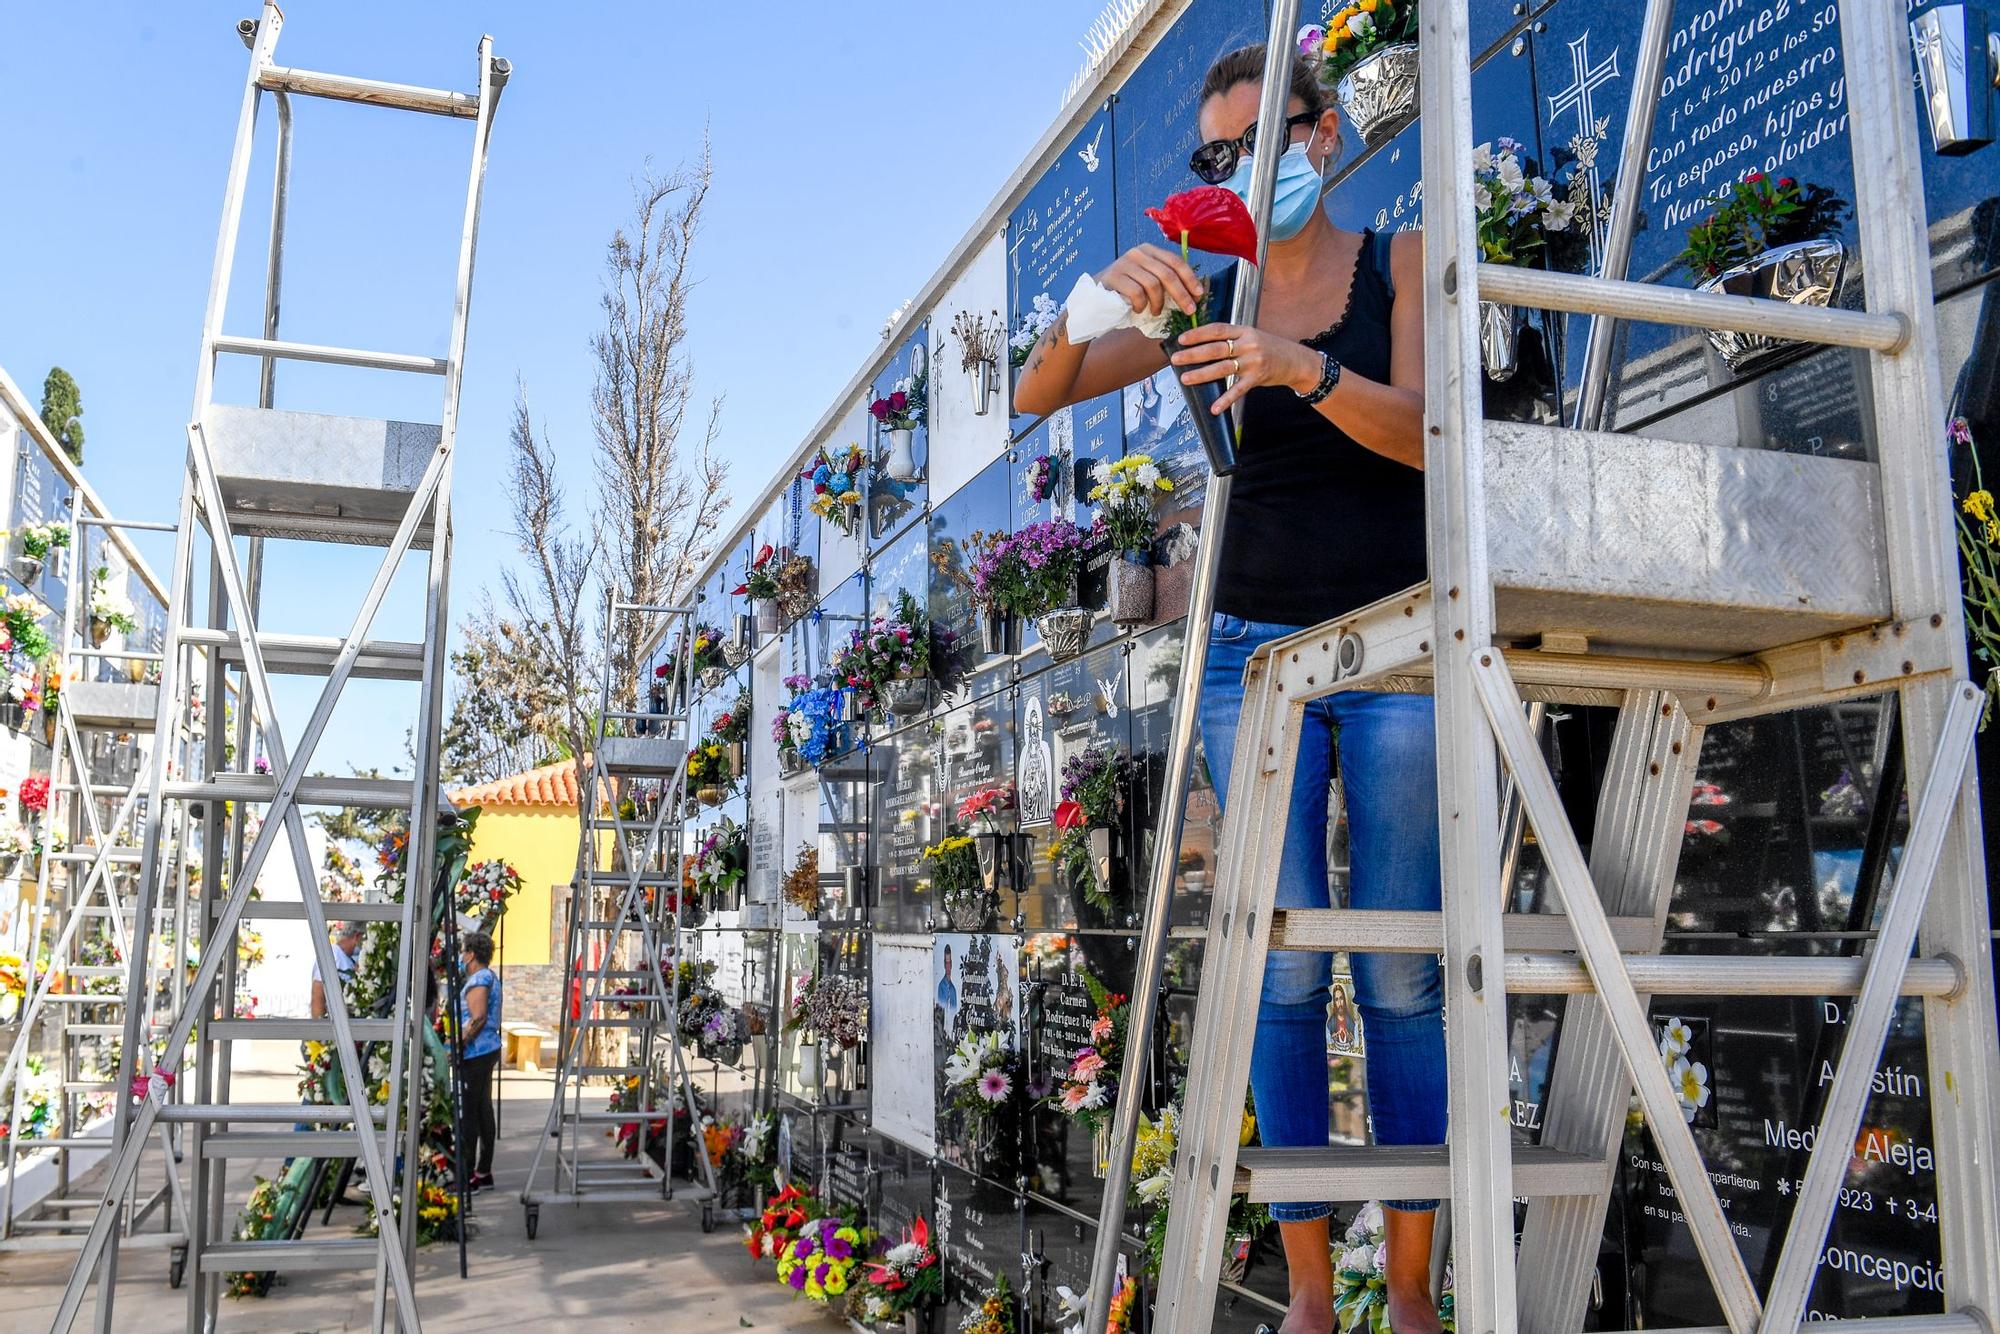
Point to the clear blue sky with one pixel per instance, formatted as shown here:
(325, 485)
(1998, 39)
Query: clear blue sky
(853, 145)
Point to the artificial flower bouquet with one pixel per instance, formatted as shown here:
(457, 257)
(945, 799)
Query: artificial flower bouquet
(1760, 213)
(902, 408)
(836, 480)
(721, 861)
(1031, 571)
(956, 883)
(990, 810)
(980, 1076)
(1088, 1087)
(906, 1277)
(482, 892)
(760, 576)
(1360, 1278)
(784, 1214)
(801, 885)
(1152, 1186)
(831, 1007)
(1126, 498)
(995, 1312)
(888, 650)
(1361, 29)
(39, 539)
(821, 1260)
(1096, 786)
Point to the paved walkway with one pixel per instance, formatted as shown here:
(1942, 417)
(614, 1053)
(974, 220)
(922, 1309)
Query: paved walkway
(618, 1267)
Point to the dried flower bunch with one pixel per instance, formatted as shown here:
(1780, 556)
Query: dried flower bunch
(801, 886)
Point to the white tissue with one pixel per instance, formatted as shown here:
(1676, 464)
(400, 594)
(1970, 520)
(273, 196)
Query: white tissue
(1095, 309)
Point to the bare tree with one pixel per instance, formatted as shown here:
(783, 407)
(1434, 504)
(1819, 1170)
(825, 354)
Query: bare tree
(662, 499)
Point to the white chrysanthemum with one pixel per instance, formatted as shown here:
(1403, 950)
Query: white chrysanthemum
(1147, 475)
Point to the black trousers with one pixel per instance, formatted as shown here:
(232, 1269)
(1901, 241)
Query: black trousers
(476, 1114)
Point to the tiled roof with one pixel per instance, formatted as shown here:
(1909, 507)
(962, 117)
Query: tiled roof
(550, 785)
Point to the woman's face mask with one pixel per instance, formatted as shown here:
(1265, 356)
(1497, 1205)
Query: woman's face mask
(1297, 194)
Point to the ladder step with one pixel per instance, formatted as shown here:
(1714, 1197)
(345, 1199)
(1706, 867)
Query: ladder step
(292, 910)
(1381, 1172)
(1379, 931)
(301, 1030)
(258, 1256)
(264, 1113)
(610, 1021)
(616, 1118)
(281, 1144)
(368, 793)
(314, 476)
(372, 92)
(334, 356)
(640, 756)
(1697, 975)
(51, 1224)
(69, 1142)
(647, 879)
(84, 852)
(313, 655)
(90, 1085)
(606, 1071)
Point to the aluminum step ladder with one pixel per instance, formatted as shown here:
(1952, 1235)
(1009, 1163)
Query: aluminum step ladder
(623, 944)
(1839, 582)
(74, 1012)
(278, 476)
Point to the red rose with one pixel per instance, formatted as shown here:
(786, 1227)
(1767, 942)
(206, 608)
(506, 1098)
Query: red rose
(663, 669)
(880, 407)
(1753, 178)
(1209, 218)
(1069, 815)
(898, 401)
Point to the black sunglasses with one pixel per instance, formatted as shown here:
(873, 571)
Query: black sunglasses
(1215, 161)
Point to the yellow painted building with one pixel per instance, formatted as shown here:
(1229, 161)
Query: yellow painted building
(529, 820)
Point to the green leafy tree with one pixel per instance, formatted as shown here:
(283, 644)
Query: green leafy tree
(62, 412)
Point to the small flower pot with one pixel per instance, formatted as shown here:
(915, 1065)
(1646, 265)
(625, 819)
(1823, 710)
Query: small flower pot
(767, 617)
(1132, 588)
(1103, 856)
(712, 677)
(791, 763)
(710, 795)
(735, 752)
(850, 706)
(1499, 340)
(1805, 273)
(1218, 435)
(901, 463)
(907, 696)
(28, 569)
(985, 384)
(1379, 94)
(809, 1066)
(999, 632)
(794, 605)
(1066, 632)
(100, 630)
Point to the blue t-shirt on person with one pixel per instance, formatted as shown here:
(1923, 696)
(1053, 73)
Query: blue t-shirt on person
(487, 1039)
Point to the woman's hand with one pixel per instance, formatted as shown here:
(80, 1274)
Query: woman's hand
(1152, 278)
(1218, 351)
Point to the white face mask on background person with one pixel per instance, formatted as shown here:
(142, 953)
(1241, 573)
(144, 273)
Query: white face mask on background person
(1297, 193)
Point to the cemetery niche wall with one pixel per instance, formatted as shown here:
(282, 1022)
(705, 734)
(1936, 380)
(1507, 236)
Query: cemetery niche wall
(902, 836)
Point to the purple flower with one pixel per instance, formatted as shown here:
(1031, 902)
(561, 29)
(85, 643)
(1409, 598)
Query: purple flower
(836, 1249)
(798, 1279)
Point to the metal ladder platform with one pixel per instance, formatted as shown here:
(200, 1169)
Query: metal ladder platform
(625, 925)
(291, 482)
(1686, 585)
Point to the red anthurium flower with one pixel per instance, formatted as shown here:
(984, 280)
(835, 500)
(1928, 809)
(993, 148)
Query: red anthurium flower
(920, 1232)
(1209, 218)
(1069, 815)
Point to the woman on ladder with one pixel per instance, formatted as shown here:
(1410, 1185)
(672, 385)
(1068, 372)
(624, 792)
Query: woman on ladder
(1326, 515)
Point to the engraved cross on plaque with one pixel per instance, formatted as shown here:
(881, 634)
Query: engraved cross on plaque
(1584, 78)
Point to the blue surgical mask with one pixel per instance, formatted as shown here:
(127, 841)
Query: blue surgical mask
(1297, 194)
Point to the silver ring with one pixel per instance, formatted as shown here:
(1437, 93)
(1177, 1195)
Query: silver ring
(1236, 365)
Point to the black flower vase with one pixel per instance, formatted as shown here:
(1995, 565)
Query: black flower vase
(1218, 436)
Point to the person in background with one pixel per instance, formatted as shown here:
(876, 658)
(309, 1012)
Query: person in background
(346, 958)
(478, 1029)
(1327, 515)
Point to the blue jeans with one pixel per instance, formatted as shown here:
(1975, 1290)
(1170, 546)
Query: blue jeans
(1388, 768)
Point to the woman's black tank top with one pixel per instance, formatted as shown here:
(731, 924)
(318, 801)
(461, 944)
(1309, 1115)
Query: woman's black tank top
(1319, 525)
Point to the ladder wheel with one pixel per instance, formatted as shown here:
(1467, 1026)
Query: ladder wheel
(708, 1216)
(534, 1219)
(177, 1266)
